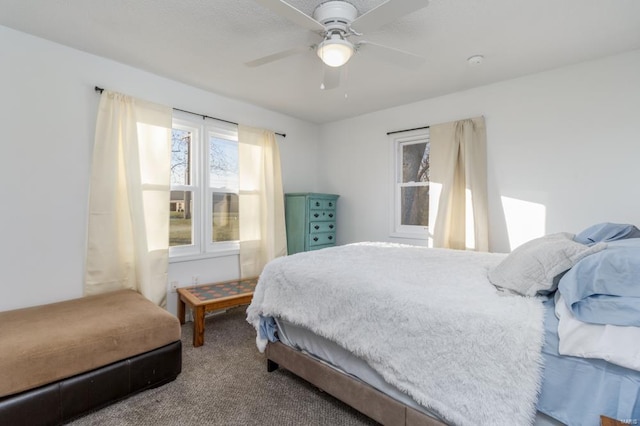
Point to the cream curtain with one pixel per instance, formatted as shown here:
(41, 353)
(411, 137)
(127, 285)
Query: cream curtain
(261, 200)
(458, 162)
(128, 228)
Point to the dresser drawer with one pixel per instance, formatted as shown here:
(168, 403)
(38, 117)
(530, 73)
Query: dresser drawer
(315, 227)
(322, 239)
(321, 204)
(310, 220)
(322, 215)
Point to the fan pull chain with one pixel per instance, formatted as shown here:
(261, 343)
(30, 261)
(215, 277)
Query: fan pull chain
(322, 87)
(346, 80)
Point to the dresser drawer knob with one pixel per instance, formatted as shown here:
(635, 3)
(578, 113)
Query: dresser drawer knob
(330, 214)
(316, 227)
(330, 237)
(315, 238)
(316, 215)
(330, 226)
(317, 204)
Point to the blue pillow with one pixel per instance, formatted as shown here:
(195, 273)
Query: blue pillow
(604, 232)
(604, 288)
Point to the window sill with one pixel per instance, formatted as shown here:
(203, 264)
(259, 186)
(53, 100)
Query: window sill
(410, 236)
(203, 256)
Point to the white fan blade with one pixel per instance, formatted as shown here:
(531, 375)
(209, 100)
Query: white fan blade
(276, 56)
(331, 78)
(285, 10)
(386, 12)
(393, 55)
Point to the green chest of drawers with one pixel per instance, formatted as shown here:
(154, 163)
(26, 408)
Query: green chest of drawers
(311, 221)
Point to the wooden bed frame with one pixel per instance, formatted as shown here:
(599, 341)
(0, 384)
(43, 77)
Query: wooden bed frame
(347, 389)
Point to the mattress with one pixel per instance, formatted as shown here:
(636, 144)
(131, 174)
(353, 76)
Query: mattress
(340, 359)
(596, 387)
(360, 295)
(575, 391)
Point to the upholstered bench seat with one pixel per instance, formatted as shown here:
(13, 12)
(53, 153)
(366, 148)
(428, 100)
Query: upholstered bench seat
(50, 343)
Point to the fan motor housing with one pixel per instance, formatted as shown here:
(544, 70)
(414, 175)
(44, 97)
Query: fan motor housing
(335, 14)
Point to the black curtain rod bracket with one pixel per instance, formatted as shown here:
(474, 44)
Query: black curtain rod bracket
(284, 135)
(406, 130)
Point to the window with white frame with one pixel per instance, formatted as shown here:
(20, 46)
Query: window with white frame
(410, 218)
(204, 189)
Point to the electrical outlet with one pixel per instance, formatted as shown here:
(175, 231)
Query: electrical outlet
(174, 286)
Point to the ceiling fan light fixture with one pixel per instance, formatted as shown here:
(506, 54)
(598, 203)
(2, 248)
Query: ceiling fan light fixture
(335, 52)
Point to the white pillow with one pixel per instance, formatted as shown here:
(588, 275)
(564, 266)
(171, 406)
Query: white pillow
(616, 344)
(532, 268)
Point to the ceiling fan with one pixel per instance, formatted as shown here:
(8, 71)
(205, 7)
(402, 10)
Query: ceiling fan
(337, 21)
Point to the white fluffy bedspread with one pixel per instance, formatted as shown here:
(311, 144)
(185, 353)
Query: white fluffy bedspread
(428, 320)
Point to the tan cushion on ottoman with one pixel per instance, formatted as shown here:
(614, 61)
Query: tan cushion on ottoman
(44, 344)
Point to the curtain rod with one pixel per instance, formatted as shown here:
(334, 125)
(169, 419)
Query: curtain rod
(406, 130)
(284, 135)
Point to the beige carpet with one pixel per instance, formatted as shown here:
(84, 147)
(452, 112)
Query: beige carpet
(225, 382)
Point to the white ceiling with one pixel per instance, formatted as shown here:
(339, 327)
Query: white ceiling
(206, 43)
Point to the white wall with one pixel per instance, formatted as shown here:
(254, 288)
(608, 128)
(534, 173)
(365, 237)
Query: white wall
(48, 110)
(563, 147)
(564, 141)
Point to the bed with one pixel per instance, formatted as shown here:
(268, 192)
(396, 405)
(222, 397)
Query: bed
(417, 336)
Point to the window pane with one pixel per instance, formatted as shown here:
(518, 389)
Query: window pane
(180, 157)
(415, 162)
(180, 229)
(415, 205)
(223, 163)
(225, 217)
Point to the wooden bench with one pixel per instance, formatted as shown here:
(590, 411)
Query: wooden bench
(212, 297)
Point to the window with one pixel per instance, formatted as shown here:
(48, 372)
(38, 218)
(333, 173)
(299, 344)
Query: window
(411, 186)
(204, 189)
